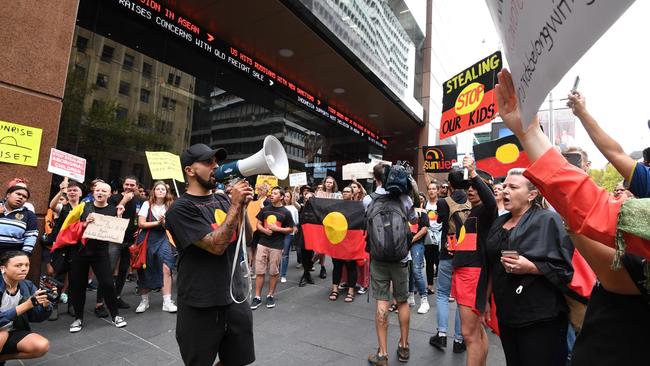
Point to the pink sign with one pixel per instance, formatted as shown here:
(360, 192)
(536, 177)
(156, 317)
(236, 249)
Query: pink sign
(67, 165)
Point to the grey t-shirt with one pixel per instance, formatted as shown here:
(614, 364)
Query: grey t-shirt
(9, 302)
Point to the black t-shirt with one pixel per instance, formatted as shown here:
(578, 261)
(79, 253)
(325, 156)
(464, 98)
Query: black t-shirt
(459, 196)
(131, 210)
(95, 247)
(613, 314)
(481, 217)
(279, 216)
(203, 278)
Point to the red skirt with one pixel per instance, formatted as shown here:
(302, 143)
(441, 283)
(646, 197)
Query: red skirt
(464, 281)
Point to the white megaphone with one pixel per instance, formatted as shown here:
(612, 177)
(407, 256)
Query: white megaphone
(271, 159)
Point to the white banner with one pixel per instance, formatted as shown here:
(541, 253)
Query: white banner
(544, 39)
(356, 171)
(298, 179)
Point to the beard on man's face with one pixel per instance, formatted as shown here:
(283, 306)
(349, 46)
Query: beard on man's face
(207, 184)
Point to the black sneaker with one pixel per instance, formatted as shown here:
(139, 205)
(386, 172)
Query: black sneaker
(403, 353)
(91, 286)
(459, 347)
(256, 303)
(270, 302)
(438, 341)
(121, 304)
(323, 272)
(305, 279)
(101, 312)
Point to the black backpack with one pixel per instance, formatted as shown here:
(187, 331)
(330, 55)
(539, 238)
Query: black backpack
(387, 228)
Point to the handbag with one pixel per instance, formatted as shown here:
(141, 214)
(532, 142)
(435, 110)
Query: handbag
(139, 250)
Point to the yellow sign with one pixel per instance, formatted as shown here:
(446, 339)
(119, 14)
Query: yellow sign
(270, 181)
(164, 165)
(19, 144)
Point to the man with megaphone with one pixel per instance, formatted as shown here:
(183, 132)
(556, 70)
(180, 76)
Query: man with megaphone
(204, 227)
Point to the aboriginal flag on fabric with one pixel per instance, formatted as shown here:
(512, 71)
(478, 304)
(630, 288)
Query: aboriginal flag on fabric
(72, 229)
(498, 156)
(466, 240)
(334, 227)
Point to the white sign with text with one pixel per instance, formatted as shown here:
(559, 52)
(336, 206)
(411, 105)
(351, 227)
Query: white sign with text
(356, 171)
(544, 39)
(106, 228)
(298, 179)
(67, 165)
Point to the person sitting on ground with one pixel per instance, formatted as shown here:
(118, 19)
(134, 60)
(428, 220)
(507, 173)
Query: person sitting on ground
(21, 304)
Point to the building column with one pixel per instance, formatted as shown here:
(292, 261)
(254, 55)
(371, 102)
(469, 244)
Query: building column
(423, 137)
(36, 39)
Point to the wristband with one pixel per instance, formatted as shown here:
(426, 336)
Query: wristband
(34, 301)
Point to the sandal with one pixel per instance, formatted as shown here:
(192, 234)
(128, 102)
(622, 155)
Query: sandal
(392, 308)
(349, 297)
(334, 295)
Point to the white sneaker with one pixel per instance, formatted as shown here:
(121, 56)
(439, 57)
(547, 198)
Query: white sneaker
(424, 306)
(119, 322)
(169, 307)
(283, 279)
(76, 326)
(411, 299)
(144, 305)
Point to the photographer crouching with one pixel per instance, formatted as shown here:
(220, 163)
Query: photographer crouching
(21, 302)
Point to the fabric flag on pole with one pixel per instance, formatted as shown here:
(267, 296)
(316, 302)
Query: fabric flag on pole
(72, 228)
(334, 227)
(498, 156)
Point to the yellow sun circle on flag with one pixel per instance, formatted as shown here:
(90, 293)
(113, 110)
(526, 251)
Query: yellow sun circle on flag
(461, 235)
(336, 227)
(508, 153)
(432, 215)
(219, 216)
(271, 219)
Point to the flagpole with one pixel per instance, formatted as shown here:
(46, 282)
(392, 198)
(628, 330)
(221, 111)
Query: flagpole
(176, 187)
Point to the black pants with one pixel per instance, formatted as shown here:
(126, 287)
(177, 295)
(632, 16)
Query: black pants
(542, 343)
(432, 257)
(78, 278)
(122, 254)
(338, 270)
(204, 333)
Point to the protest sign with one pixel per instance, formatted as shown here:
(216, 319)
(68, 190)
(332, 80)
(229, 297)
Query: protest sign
(67, 165)
(298, 179)
(439, 159)
(164, 165)
(356, 171)
(544, 39)
(270, 180)
(374, 162)
(468, 98)
(19, 144)
(106, 228)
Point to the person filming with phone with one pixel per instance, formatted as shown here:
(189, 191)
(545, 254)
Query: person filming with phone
(529, 264)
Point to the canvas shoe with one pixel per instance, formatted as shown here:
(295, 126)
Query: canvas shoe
(119, 322)
(283, 280)
(411, 299)
(144, 305)
(438, 341)
(76, 326)
(424, 306)
(270, 302)
(256, 303)
(169, 307)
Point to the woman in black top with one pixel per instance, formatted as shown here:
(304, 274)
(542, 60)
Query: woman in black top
(529, 262)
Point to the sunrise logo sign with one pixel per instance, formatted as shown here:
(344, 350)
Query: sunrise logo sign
(468, 99)
(439, 159)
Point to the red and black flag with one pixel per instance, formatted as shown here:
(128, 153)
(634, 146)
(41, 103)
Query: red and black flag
(498, 156)
(334, 227)
(468, 98)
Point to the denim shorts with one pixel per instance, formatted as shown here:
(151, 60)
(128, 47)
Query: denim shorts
(383, 274)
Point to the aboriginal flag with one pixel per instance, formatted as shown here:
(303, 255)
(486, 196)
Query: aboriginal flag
(498, 156)
(334, 227)
(72, 228)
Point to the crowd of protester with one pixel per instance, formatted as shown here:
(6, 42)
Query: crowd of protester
(516, 275)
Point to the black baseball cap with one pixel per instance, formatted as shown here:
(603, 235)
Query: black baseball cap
(201, 152)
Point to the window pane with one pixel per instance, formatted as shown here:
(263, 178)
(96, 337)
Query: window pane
(107, 53)
(125, 88)
(128, 62)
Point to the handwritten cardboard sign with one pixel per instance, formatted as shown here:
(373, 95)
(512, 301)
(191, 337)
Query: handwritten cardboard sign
(19, 144)
(164, 165)
(544, 39)
(67, 165)
(270, 180)
(356, 171)
(298, 179)
(106, 228)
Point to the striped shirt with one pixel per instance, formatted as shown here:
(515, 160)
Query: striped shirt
(18, 230)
